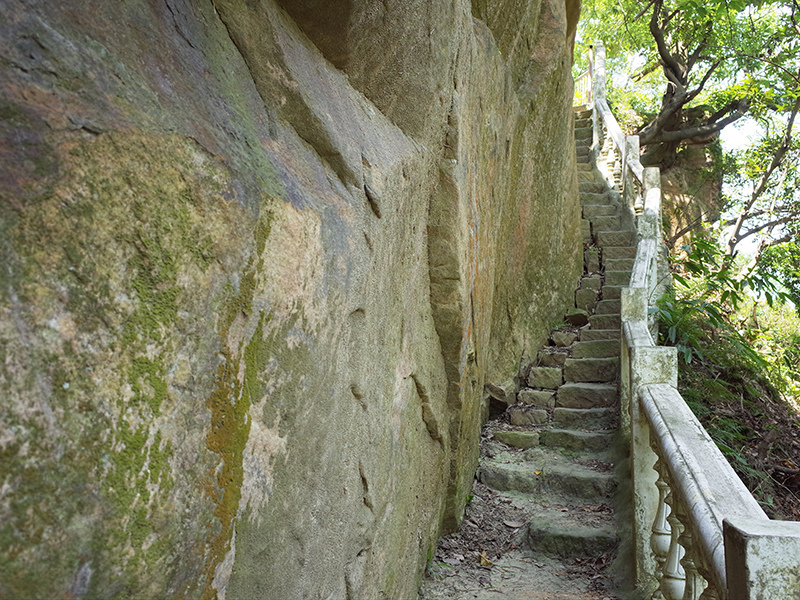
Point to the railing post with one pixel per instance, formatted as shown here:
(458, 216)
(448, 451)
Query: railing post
(633, 197)
(761, 558)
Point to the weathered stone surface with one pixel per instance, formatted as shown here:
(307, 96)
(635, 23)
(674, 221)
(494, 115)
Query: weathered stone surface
(586, 395)
(505, 393)
(605, 321)
(571, 539)
(586, 299)
(615, 238)
(618, 277)
(596, 349)
(585, 418)
(526, 416)
(551, 359)
(575, 440)
(608, 306)
(542, 398)
(592, 282)
(563, 338)
(616, 252)
(577, 317)
(213, 212)
(600, 334)
(545, 377)
(518, 439)
(586, 231)
(591, 369)
(591, 260)
(611, 292)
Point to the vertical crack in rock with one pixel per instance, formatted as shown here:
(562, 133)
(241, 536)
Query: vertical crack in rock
(428, 416)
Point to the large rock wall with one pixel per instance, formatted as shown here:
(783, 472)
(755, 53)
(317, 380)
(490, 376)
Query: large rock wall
(258, 259)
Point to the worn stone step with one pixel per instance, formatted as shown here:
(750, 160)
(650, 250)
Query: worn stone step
(616, 238)
(540, 398)
(582, 149)
(582, 158)
(584, 113)
(588, 198)
(604, 321)
(577, 481)
(561, 534)
(586, 370)
(591, 260)
(618, 264)
(581, 122)
(585, 167)
(586, 176)
(617, 252)
(517, 439)
(570, 439)
(585, 418)
(551, 359)
(586, 395)
(605, 223)
(591, 211)
(595, 349)
(608, 306)
(588, 335)
(545, 377)
(586, 299)
(616, 277)
(534, 477)
(583, 135)
(591, 186)
(611, 292)
(591, 282)
(586, 231)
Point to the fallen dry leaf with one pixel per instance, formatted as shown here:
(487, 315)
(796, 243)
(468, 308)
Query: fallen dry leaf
(514, 524)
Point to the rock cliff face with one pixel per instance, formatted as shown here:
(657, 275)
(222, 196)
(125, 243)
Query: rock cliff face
(258, 259)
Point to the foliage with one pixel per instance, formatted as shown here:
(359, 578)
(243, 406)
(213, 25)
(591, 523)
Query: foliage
(709, 62)
(782, 263)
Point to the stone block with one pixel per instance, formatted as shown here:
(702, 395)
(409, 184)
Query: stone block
(600, 334)
(618, 277)
(563, 338)
(586, 395)
(527, 416)
(540, 398)
(596, 349)
(591, 260)
(551, 359)
(586, 299)
(605, 321)
(518, 439)
(586, 230)
(591, 369)
(545, 377)
(593, 282)
(608, 307)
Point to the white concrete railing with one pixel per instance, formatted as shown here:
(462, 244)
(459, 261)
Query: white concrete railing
(698, 532)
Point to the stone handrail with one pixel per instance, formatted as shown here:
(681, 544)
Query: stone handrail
(698, 532)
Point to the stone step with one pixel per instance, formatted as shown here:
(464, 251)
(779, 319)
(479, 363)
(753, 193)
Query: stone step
(582, 158)
(585, 167)
(545, 377)
(533, 477)
(586, 299)
(557, 532)
(616, 277)
(589, 335)
(616, 238)
(588, 198)
(585, 418)
(617, 252)
(570, 439)
(591, 211)
(595, 349)
(605, 321)
(605, 223)
(583, 135)
(608, 307)
(591, 260)
(586, 395)
(591, 370)
(581, 122)
(586, 231)
(618, 264)
(540, 398)
(585, 113)
(592, 186)
(586, 176)
(517, 439)
(551, 359)
(611, 292)
(581, 149)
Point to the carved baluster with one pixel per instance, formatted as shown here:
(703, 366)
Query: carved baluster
(673, 580)
(659, 540)
(710, 593)
(694, 581)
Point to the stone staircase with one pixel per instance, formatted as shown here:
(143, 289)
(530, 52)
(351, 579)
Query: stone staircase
(553, 451)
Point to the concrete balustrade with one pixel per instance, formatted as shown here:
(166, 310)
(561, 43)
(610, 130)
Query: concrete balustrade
(698, 532)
